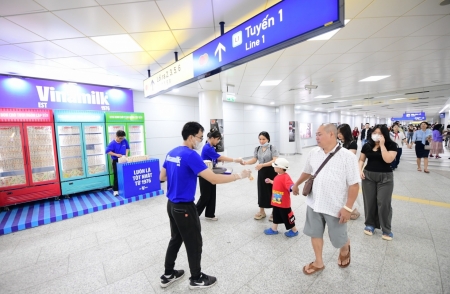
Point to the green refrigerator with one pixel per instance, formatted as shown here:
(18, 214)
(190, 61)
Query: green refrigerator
(133, 123)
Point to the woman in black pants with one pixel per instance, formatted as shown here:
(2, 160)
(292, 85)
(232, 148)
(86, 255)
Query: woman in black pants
(265, 154)
(207, 190)
(378, 181)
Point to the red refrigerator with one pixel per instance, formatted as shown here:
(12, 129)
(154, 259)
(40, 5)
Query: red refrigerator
(28, 163)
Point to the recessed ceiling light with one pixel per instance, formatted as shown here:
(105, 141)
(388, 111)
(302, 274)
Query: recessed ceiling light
(323, 96)
(270, 83)
(374, 78)
(118, 43)
(272, 103)
(340, 101)
(297, 107)
(399, 99)
(328, 35)
(357, 105)
(175, 90)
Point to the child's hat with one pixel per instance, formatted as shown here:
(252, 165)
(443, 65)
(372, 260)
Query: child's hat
(281, 163)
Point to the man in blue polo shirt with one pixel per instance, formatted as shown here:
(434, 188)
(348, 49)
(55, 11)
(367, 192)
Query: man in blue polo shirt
(180, 170)
(117, 148)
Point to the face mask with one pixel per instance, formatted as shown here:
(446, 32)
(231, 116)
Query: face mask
(198, 145)
(265, 145)
(376, 137)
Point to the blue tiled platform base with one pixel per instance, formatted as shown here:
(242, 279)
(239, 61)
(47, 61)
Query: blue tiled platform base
(47, 211)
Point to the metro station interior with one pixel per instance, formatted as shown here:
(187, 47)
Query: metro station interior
(380, 62)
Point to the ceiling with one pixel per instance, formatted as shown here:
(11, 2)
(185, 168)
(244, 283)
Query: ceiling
(406, 39)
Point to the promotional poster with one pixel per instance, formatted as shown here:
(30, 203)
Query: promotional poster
(305, 130)
(292, 131)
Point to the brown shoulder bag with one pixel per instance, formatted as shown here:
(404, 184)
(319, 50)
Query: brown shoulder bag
(307, 188)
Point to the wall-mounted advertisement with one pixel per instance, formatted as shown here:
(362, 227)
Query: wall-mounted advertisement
(305, 130)
(292, 131)
(217, 125)
(21, 92)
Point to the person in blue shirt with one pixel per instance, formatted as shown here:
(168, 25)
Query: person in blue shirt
(181, 167)
(207, 190)
(421, 138)
(117, 148)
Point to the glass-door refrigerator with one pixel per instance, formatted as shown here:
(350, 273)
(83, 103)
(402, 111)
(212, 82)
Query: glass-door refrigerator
(28, 165)
(133, 123)
(80, 137)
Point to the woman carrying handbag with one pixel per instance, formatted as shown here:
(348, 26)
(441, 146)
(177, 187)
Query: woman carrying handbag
(422, 139)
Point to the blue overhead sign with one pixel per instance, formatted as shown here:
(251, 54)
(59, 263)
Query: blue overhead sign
(416, 116)
(285, 24)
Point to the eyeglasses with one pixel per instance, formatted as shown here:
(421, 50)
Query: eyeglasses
(201, 138)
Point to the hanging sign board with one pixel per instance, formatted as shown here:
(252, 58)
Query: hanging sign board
(285, 24)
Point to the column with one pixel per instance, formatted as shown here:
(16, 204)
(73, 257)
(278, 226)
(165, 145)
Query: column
(287, 114)
(335, 117)
(210, 106)
(358, 121)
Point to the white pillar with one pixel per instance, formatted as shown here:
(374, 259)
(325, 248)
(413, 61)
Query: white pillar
(287, 114)
(210, 106)
(335, 117)
(382, 121)
(358, 121)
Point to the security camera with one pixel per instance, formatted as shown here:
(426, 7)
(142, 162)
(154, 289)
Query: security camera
(311, 87)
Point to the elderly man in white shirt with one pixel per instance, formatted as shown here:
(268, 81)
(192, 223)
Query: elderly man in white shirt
(332, 197)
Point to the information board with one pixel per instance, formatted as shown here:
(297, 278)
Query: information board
(285, 24)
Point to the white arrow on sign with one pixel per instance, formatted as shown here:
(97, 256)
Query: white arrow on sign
(219, 49)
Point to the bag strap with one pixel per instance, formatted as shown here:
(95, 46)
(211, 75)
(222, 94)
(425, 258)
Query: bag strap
(326, 160)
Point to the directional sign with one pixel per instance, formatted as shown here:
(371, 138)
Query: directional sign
(280, 26)
(416, 116)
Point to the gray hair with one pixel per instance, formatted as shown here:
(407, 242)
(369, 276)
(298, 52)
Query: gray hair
(330, 128)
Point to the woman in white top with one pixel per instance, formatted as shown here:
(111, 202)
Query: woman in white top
(399, 138)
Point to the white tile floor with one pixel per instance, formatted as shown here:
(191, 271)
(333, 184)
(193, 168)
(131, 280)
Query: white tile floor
(121, 250)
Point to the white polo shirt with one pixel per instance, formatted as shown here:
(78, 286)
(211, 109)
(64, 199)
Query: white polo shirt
(330, 189)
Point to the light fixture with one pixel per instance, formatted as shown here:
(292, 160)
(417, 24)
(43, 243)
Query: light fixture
(323, 96)
(118, 43)
(396, 99)
(374, 78)
(297, 107)
(272, 103)
(328, 35)
(270, 83)
(176, 90)
(357, 105)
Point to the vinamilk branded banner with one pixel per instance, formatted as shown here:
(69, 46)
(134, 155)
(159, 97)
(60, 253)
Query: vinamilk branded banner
(19, 92)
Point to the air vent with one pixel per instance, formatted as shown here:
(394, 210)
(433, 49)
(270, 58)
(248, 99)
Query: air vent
(425, 98)
(328, 102)
(356, 108)
(295, 89)
(344, 106)
(439, 97)
(417, 92)
(368, 98)
(420, 103)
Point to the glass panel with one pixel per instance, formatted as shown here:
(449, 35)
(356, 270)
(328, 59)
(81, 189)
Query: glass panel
(112, 130)
(95, 149)
(70, 151)
(12, 172)
(136, 140)
(42, 159)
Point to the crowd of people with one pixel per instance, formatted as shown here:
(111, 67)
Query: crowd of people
(332, 177)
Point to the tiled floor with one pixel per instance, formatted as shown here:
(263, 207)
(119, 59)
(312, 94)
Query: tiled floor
(121, 250)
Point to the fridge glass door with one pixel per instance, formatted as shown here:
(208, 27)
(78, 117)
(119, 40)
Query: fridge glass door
(112, 129)
(95, 149)
(42, 158)
(136, 139)
(71, 156)
(12, 165)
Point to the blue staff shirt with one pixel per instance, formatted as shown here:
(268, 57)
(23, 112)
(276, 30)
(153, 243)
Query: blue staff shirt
(182, 166)
(420, 135)
(209, 153)
(118, 148)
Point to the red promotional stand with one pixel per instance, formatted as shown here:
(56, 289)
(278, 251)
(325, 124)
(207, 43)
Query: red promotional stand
(28, 163)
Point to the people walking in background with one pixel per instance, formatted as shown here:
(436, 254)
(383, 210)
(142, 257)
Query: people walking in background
(332, 197)
(378, 181)
(436, 143)
(207, 190)
(265, 154)
(421, 139)
(355, 134)
(410, 134)
(345, 136)
(365, 134)
(447, 137)
(398, 138)
(281, 200)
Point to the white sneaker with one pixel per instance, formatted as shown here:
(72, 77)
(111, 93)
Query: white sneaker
(211, 218)
(116, 193)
